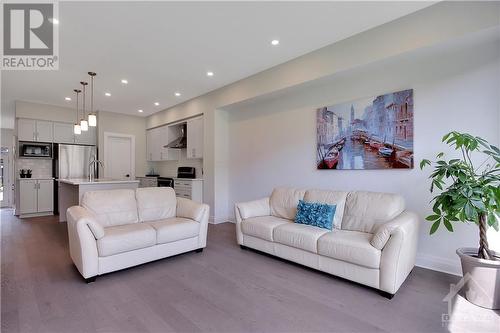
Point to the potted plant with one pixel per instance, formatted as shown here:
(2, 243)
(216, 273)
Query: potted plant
(470, 192)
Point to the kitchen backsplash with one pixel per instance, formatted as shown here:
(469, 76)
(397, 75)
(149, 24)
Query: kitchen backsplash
(40, 167)
(169, 168)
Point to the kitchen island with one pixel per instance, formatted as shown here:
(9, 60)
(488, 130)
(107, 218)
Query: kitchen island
(70, 191)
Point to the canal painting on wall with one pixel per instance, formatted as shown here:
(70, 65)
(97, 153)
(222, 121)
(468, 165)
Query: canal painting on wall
(369, 133)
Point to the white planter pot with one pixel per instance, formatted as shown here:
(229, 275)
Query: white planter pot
(482, 278)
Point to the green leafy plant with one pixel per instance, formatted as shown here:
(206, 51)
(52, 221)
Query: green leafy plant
(469, 193)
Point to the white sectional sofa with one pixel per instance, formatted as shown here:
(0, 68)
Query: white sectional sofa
(373, 241)
(116, 229)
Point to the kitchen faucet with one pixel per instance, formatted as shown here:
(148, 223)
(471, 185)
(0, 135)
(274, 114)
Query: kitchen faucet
(92, 167)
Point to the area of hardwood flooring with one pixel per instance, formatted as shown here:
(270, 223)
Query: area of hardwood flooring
(223, 289)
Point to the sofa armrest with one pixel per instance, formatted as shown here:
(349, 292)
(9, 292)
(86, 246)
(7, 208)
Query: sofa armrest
(384, 231)
(195, 211)
(398, 240)
(254, 208)
(83, 231)
(245, 210)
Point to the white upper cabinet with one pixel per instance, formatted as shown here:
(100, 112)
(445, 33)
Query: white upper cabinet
(58, 132)
(153, 138)
(87, 137)
(44, 131)
(26, 129)
(63, 133)
(195, 138)
(156, 139)
(34, 130)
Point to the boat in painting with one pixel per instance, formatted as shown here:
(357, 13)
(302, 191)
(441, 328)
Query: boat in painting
(385, 151)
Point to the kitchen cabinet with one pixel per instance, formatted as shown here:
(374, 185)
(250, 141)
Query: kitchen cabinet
(156, 139)
(87, 137)
(35, 196)
(153, 144)
(189, 188)
(147, 181)
(28, 196)
(35, 130)
(195, 138)
(63, 133)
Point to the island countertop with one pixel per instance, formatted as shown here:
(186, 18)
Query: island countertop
(99, 181)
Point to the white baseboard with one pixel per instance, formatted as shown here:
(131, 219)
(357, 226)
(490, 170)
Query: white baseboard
(439, 264)
(217, 220)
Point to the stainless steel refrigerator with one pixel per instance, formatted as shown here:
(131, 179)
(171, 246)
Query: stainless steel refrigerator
(71, 161)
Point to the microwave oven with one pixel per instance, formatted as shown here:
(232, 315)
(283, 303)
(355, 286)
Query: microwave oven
(35, 150)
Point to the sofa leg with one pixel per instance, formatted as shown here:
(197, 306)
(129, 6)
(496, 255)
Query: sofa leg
(243, 247)
(199, 250)
(386, 294)
(90, 279)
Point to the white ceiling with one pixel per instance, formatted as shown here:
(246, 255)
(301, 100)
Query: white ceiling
(164, 47)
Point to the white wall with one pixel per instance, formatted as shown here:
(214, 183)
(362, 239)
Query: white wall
(272, 142)
(124, 124)
(431, 26)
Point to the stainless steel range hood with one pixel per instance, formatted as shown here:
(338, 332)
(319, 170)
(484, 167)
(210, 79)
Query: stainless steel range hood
(181, 141)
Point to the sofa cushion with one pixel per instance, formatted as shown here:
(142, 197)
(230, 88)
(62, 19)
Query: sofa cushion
(315, 214)
(284, 201)
(124, 238)
(301, 236)
(111, 207)
(174, 229)
(156, 203)
(262, 226)
(337, 198)
(365, 211)
(349, 246)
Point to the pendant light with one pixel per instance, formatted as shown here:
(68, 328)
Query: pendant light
(92, 115)
(76, 128)
(84, 125)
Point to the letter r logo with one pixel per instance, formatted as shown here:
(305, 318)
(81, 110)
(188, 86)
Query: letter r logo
(27, 29)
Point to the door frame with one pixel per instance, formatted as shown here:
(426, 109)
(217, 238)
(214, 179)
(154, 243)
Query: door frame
(107, 137)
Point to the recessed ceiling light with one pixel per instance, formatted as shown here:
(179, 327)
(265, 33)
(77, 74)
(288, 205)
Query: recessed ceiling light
(275, 42)
(156, 103)
(67, 98)
(107, 94)
(124, 81)
(177, 94)
(140, 111)
(53, 20)
(210, 73)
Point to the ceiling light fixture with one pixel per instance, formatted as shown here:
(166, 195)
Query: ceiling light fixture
(140, 111)
(92, 114)
(156, 103)
(177, 94)
(67, 98)
(76, 127)
(84, 125)
(275, 42)
(124, 81)
(210, 73)
(107, 94)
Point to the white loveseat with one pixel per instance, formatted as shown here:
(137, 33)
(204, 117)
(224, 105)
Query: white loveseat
(373, 241)
(116, 229)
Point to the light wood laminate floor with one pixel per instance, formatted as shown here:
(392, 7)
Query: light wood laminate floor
(223, 289)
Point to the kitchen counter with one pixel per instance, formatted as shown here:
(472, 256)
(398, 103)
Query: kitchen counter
(71, 191)
(36, 178)
(99, 181)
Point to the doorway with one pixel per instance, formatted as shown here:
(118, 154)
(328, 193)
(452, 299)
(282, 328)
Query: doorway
(5, 183)
(119, 155)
